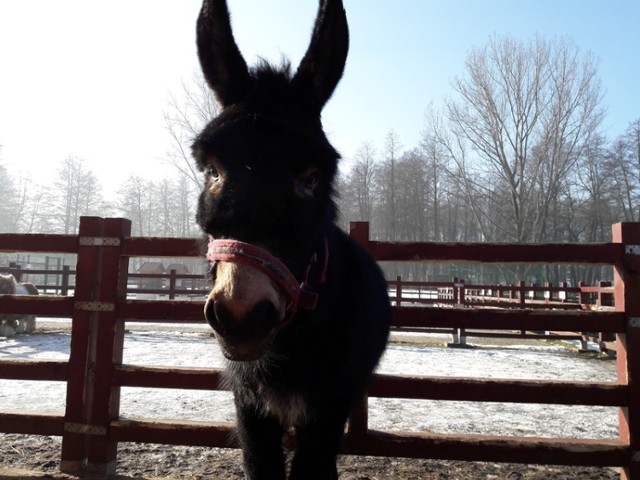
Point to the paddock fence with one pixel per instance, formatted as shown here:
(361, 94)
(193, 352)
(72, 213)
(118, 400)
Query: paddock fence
(91, 426)
(458, 293)
(172, 285)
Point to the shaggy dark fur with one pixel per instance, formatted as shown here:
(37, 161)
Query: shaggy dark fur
(269, 173)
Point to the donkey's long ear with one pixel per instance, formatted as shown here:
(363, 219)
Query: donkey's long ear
(220, 59)
(322, 66)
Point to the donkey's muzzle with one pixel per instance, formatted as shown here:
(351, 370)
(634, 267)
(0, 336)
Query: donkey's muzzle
(296, 293)
(243, 339)
(245, 309)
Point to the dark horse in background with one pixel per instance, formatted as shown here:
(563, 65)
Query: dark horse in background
(298, 308)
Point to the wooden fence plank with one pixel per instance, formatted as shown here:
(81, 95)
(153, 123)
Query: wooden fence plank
(202, 434)
(405, 386)
(596, 253)
(28, 369)
(498, 319)
(44, 305)
(31, 422)
(498, 390)
(489, 449)
(37, 242)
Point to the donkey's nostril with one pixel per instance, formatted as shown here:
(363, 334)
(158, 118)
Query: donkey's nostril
(211, 314)
(222, 317)
(264, 317)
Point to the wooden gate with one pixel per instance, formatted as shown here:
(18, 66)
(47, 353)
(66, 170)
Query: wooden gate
(91, 427)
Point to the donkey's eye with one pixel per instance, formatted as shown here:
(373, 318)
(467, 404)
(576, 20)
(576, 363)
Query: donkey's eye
(212, 173)
(307, 183)
(311, 181)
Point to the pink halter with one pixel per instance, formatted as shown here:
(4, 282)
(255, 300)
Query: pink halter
(299, 294)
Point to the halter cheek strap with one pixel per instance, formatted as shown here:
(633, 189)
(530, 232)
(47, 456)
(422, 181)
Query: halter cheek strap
(298, 294)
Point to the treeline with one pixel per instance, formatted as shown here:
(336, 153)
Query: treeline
(421, 194)
(156, 208)
(417, 194)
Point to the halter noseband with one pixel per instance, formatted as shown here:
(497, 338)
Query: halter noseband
(298, 294)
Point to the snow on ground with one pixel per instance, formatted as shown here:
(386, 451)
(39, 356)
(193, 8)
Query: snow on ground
(195, 347)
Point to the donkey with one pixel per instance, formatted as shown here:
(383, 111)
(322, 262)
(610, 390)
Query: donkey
(11, 324)
(298, 308)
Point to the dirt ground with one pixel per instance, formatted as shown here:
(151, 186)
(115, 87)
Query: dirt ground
(31, 457)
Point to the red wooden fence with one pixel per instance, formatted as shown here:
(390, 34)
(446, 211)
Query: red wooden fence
(91, 427)
(456, 292)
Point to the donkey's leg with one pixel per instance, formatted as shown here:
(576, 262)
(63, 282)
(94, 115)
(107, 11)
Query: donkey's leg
(261, 441)
(8, 327)
(318, 444)
(21, 325)
(30, 323)
(4, 328)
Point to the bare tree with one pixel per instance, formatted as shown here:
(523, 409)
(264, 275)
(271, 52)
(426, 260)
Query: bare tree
(633, 141)
(137, 203)
(361, 181)
(590, 202)
(387, 185)
(77, 192)
(623, 170)
(184, 207)
(413, 210)
(526, 110)
(35, 199)
(469, 198)
(185, 117)
(8, 214)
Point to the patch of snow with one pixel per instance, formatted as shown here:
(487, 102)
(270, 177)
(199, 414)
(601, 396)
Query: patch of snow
(197, 348)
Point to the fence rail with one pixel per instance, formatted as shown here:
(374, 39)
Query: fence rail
(172, 285)
(456, 292)
(91, 427)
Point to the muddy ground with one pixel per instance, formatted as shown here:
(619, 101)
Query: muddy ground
(25, 457)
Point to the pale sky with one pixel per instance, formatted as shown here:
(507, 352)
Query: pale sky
(92, 78)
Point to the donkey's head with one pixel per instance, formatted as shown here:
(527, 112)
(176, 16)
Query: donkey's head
(8, 284)
(269, 170)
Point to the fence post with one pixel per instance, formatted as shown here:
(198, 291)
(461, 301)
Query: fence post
(627, 300)
(64, 288)
(172, 284)
(583, 297)
(83, 339)
(599, 300)
(399, 290)
(359, 418)
(454, 290)
(461, 291)
(359, 231)
(562, 294)
(15, 269)
(521, 293)
(109, 349)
